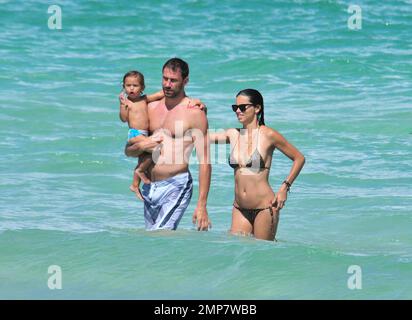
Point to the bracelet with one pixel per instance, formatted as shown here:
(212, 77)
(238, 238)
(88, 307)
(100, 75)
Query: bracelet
(288, 184)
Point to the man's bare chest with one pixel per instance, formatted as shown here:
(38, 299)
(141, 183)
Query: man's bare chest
(175, 123)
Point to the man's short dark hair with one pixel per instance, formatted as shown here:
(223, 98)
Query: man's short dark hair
(177, 64)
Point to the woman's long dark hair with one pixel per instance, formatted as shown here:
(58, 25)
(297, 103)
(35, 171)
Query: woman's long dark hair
(255, 98)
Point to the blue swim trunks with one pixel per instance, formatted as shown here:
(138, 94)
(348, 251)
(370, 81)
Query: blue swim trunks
(165, 201)
(135, 132)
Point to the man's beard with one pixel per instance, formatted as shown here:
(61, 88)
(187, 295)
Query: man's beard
(170, 93)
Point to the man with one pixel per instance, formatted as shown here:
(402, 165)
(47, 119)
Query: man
(176, 128)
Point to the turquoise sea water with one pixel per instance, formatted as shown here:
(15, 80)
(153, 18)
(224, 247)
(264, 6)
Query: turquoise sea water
(343, 97)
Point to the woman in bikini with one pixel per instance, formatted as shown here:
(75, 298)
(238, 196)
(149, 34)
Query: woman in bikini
(256, 207)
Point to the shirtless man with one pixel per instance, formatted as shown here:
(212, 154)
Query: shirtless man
(176, 129)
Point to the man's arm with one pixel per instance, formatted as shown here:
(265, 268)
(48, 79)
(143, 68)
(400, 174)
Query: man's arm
(137, 145)
(202, 145)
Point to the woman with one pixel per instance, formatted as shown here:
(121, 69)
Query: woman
(256, 208)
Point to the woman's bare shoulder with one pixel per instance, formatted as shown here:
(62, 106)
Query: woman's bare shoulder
(267, 130)
(270, 133)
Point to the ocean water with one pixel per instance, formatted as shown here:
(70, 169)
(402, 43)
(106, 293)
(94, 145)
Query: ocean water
(342, 96)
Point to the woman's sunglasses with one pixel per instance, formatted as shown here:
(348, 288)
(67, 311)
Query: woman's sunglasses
(241, 107)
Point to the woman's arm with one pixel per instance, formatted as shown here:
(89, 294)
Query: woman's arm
(293, 154)
(155, 96)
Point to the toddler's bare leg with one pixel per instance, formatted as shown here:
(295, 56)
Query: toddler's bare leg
(135, 186)
(136, 181)
(145, 162)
